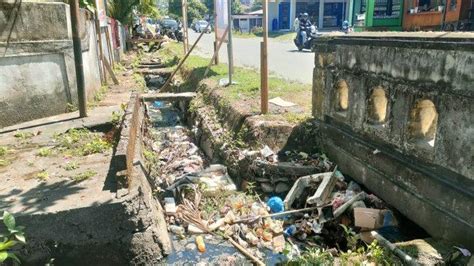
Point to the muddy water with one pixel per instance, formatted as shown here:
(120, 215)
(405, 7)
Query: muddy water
(168, 124)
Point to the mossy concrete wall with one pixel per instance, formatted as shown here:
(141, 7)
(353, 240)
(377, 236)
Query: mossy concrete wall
(426, 171)
(37, 73)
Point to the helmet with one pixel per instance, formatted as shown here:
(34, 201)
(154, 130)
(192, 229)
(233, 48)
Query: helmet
(305, 14)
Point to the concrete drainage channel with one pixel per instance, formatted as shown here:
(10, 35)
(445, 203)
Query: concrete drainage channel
(198, 174)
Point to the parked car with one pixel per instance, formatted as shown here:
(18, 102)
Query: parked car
(169, 24)
(201, 25)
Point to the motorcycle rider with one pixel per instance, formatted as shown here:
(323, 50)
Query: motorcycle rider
(305, 28)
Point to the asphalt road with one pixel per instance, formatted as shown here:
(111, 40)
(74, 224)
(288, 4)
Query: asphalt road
(284, 59)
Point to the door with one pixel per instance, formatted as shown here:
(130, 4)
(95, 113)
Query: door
(284, 15)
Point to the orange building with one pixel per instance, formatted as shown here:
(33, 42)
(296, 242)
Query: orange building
(438, 14)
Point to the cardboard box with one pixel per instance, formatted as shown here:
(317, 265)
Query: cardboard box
(368, 218)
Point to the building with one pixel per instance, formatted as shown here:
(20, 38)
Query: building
(381, 15)
(282, 14)
(411, 15)
(434, 14)
(246, 22)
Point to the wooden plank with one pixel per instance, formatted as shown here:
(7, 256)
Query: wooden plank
(167, 96)
(135, 41)
(111, 72)
(168, 81)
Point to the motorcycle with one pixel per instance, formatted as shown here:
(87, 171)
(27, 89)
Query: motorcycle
(178, 33)
(305, 37)
(345, 27)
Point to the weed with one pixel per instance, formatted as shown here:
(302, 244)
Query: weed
(100, 95)
(377, 254)
(84, 175)
(313, 256)
(71, 107)
(116, 117)
(44, 152)
(81, 142)
(30, 163)
(3, 150)
(150, 155)
(296, 118)
(351, 236)
(24, 135)
(11, 238)
(140, 81)
(43, 175)
(119, 67)
(71, 165)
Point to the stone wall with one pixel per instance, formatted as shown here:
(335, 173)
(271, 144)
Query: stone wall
(396, 114)
(37, 73)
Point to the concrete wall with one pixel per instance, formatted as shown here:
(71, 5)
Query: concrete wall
(37, 74)
(429, 179)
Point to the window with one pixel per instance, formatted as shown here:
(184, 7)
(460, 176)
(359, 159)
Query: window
(423, 122)
(429, 5)
(387, 8)
(452, 5)
(377, 106)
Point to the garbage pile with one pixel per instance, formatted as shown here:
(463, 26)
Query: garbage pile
(275, 173)
(320, 211)
(175, 153)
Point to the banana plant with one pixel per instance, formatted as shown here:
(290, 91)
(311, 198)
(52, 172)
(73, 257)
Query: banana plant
(11, 238)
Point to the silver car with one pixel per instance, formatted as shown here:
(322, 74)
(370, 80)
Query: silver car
(201, 25)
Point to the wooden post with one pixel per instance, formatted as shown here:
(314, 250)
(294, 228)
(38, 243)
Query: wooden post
(184, 10)
(76, 41)
(216, 37)
(103, 75)
(168, 81)
(109, 45)
(264, 62)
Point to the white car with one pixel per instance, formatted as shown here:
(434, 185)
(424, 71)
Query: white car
(201, 25)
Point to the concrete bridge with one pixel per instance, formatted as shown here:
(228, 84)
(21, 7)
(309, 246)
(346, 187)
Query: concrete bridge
(395, 113)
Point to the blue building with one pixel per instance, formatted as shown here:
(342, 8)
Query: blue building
(281, 14)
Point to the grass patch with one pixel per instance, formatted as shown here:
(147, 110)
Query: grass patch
(23, 135)
(81, 142)
(44, 152)
(5, 156)
(280, 36)
(248, 86)
(84, 175)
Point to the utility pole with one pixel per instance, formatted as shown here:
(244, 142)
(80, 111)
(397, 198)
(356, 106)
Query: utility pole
(76, 41)
(264, 62)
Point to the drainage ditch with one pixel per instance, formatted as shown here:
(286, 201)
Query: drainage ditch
(190, 157)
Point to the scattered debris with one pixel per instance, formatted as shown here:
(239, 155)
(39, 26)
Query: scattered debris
(280, 102)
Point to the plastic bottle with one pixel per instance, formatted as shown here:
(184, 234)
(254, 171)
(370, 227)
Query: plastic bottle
(290, 230)
(201, 246)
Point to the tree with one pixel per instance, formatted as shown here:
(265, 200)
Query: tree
(236, 7)
(257, 5)
(196, 9)
(122, 10)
